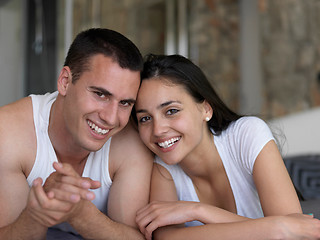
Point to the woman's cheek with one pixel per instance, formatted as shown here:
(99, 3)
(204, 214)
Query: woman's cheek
(143, 134)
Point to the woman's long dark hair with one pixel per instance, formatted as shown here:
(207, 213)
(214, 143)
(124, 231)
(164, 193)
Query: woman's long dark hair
(180, 70)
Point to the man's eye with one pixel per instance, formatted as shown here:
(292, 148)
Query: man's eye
(100, 94)
(172, 111)
(125, 103)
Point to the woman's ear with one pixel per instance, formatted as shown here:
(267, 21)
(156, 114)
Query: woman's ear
(208, 111)
(65, 78)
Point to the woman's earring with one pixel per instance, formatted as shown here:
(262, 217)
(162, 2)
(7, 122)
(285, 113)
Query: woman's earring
(207, 119)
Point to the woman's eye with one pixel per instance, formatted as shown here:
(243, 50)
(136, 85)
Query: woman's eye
(172, 111)
(144, 119)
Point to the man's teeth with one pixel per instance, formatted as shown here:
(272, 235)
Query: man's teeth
(168, 143)
(97, 129)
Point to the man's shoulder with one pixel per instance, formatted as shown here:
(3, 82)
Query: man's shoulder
(127, 143)
(129, 154)
(17, 134)
(18, 107)
(129, 134)
(16, 116)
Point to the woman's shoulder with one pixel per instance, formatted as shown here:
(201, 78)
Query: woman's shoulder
(247, 123)
(174, 169)
(247, 129)
(250, 120)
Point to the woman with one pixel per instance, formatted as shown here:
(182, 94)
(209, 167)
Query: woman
(214, 170)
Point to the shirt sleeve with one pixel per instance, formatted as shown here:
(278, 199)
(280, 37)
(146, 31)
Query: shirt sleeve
(251, 134)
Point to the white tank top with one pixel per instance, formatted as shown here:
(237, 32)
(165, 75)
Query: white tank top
(96, 167)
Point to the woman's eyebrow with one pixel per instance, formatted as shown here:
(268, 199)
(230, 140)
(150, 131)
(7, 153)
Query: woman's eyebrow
(141, 111)
(167, 104)
(162, 105)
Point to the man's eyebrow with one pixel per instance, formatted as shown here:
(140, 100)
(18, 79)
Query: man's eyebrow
(159, 107)
(107, 93)
(102, 90)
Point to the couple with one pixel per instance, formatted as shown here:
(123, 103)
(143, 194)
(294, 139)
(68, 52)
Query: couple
(72, 164)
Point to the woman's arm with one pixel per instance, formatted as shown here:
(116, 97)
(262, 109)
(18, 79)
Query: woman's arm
(276, 191)
(296, 226)
(165, 209)
(164, 218)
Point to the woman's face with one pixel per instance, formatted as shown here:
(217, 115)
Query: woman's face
(171, 123)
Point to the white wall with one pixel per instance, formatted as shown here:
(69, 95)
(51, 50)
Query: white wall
(302, 132)
(11, 50)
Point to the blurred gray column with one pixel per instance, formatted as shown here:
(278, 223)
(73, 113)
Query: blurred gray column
(250, 62)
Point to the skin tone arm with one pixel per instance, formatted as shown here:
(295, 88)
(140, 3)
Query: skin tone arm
(165, 210)
(167, 217)
(41, 211)
(131, 174)
(283, 227)
(81, 214)
(24, 226)
(21, 207)
(272, 179)
(15, 220)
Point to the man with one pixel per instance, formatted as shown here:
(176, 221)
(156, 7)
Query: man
(55, 146)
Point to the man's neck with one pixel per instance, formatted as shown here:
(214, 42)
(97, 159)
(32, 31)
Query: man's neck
(66, 150)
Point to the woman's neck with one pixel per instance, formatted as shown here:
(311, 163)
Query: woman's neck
(204, 160)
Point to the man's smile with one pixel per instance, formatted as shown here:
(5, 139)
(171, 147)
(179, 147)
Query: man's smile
(97, 129)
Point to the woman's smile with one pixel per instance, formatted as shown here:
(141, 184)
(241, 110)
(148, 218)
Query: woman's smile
(168, 143)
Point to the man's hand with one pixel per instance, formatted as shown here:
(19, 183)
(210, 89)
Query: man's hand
(66, 185)
(63, 194)
(42, 209)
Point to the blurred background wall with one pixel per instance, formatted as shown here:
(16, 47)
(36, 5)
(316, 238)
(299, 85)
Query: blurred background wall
(262, 56)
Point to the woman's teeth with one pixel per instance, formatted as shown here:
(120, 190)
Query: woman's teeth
(97, 129)
(169, 142)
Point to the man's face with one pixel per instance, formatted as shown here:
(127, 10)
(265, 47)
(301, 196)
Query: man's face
(99, 103)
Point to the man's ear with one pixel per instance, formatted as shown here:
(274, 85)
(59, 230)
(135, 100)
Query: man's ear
(64, 80)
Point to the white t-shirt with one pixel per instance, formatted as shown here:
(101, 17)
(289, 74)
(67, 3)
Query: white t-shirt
(96, 166)
(238, 147)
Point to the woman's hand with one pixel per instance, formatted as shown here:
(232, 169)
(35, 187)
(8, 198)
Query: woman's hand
(159, 214)
(299, 226)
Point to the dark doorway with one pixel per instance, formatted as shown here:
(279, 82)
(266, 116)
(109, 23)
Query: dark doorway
(41, 46)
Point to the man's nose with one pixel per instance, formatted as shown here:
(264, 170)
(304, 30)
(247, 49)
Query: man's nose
(109, 113)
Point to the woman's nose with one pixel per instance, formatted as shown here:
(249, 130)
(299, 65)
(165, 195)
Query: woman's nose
(159, 127)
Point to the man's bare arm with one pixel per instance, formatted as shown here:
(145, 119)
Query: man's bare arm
(131, 172)
(98, 226)
(83, 215)
(16, 152)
